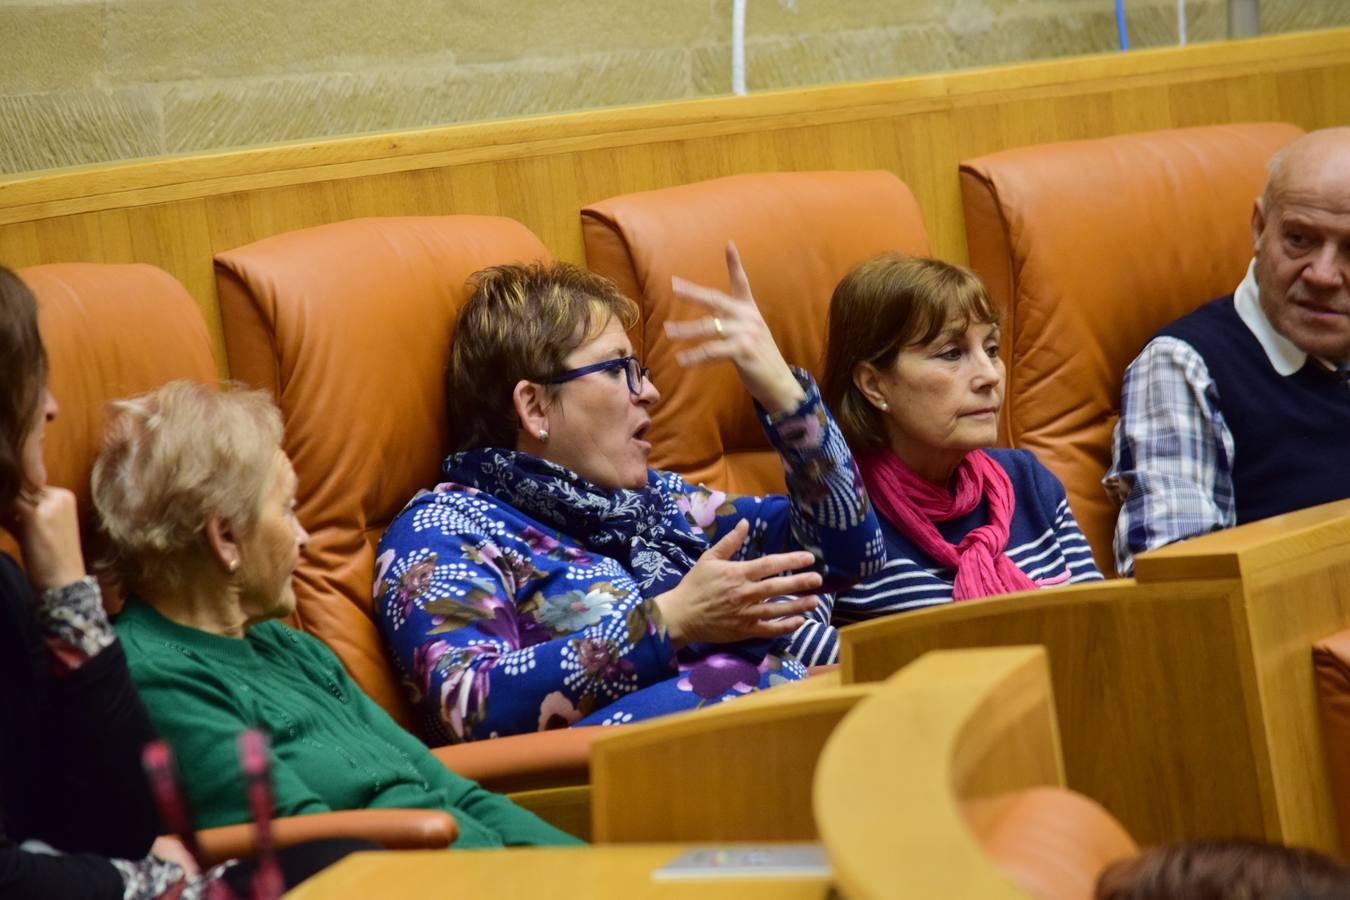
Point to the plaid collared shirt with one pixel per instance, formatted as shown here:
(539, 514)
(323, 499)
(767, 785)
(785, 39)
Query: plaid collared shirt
(1172, 453)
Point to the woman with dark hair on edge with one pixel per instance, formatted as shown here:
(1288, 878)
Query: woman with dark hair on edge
(76, 816)
(552, 578)
(913, 372)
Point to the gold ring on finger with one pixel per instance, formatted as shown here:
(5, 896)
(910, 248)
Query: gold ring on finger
(717, 326)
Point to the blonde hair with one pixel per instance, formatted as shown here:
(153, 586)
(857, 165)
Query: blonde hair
(172, 458)
(520, 324)
(881, 307)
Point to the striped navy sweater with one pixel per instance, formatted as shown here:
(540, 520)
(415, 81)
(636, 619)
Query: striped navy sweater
(1044, 541)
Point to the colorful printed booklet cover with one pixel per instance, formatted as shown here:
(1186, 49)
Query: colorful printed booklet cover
(772, 861)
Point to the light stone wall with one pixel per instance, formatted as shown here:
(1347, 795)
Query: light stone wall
(86, 81)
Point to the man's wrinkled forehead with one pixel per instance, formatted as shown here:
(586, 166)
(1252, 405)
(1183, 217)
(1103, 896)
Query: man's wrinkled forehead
(1313, 170)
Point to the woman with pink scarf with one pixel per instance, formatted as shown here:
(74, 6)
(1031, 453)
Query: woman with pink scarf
(913, 375)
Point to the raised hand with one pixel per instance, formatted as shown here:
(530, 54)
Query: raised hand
(736, 331)
(722, 600)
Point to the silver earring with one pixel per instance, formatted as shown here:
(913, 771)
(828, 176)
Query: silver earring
(543, 434)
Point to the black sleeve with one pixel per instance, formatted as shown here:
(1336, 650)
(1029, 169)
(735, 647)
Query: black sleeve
(37, 876)
(99, 799)
(42, 767)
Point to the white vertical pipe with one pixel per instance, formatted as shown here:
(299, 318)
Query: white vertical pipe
(738, 47)
(1181, 21)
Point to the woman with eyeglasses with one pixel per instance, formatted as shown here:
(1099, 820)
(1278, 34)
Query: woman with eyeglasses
(552, 578)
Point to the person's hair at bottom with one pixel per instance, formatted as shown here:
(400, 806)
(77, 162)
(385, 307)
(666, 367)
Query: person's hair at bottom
(1233, 869)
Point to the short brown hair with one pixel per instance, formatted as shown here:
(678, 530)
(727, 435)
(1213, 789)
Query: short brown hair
(1236, 869)
(884, 305)
(520, 324)
(172, 458)
(23, 374)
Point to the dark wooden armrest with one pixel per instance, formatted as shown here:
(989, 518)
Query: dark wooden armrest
(543, 759)
(396, 829)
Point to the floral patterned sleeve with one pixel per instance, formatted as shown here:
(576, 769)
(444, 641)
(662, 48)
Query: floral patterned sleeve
(74, 624)
(502, 627)
(825, 509)
(153, 878)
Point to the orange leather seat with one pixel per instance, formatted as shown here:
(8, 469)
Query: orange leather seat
(1089, 247)
(111, 331)
(1050, 841)
(798, 233)
(348, 325)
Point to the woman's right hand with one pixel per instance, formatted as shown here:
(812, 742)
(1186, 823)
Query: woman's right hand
(49, 535)
(735, 330)
(722, 600)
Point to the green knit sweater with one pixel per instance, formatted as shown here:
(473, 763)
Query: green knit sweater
(332, 746)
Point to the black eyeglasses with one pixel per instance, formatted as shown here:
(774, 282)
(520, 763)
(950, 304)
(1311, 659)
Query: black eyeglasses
(637, 373)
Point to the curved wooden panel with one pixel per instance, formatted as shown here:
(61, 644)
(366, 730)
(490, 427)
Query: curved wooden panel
(950, 727)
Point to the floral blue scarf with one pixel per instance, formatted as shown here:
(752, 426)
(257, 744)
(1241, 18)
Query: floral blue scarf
(643, 529)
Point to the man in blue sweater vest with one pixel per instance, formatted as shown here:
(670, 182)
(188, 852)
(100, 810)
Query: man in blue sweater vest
(1241, 409)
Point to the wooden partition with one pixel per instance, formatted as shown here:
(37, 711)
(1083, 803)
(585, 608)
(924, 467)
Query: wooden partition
(894, 776)
(1294, 572)
(177, 212)
(737, 771)
(1185, 694)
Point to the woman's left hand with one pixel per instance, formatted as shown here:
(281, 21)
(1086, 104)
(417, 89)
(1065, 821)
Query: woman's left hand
(736, 331)
(170, 848)
(49, 536)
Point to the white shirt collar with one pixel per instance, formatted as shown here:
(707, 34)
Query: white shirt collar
(1284, 355)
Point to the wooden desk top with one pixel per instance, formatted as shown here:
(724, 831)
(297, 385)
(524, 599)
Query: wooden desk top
(609, 871)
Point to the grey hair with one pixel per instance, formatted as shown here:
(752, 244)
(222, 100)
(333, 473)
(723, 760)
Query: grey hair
(171, 459)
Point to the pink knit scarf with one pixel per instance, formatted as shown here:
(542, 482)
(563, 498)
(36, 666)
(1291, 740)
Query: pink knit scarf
(912, 505)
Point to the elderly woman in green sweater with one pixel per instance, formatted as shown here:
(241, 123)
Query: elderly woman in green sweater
(197, 500)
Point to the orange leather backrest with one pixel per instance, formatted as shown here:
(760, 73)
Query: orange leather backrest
(1331, 674)
(111, 332)
(349, 326)
(1089, 247)
(1050, 841)
(798, 234)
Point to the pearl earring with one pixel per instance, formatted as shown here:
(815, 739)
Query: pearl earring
(233, 566)
(543, 434)
(885, 407)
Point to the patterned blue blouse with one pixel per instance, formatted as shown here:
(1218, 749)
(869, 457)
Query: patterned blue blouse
(518, 597)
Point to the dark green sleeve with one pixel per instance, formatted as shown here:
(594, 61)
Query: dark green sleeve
(515, 825)
(476, 809)
(193, 709)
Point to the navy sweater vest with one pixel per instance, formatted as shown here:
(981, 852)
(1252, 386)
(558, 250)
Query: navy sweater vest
(1291, 435)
